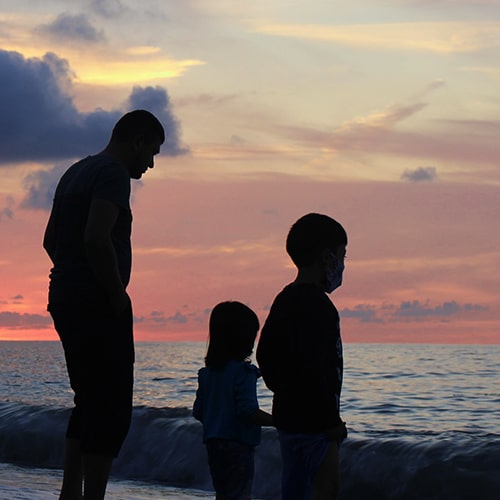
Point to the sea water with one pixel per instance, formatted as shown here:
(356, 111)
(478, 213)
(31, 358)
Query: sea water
(423, 424)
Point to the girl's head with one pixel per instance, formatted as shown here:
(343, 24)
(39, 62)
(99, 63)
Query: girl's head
(232, 331)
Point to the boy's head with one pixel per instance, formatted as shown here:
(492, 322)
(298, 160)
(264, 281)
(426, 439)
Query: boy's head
(233, 328)
(311, 235)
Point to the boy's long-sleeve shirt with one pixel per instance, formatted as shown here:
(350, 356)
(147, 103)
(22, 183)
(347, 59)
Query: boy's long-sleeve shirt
(300, 358)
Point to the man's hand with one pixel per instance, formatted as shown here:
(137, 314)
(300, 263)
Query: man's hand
(119, 303)
(337, 433)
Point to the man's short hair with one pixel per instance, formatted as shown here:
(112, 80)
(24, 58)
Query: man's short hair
(135, 123)
(310, 235)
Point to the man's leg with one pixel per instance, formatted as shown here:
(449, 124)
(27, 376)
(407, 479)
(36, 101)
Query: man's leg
(109, 374)
(326, 482)
(96, 473)
(71, 488)
(72, 480)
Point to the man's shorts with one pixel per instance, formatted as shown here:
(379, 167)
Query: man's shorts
(231, 467)
(99, 351)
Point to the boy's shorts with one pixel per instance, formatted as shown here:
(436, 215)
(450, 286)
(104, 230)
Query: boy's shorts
(302, 454)
(99, 351)
(231, 467)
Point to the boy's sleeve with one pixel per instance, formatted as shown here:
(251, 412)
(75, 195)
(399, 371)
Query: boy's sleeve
(246, 391)
(268, 353)
(198, 402)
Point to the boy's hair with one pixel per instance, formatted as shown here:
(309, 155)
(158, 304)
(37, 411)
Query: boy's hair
(233, 328)
(135, 123)
(310, 235)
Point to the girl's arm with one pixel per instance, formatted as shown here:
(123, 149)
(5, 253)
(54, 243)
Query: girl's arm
(261, 417)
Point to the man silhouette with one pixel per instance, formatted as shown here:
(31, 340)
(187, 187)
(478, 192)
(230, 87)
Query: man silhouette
(88, 240)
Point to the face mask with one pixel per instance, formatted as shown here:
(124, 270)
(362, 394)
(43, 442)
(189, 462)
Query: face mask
(334, 274)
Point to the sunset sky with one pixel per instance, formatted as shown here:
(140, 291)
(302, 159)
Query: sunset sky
(384, 114)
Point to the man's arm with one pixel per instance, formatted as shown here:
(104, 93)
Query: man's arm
(49, 241)
(101, 252)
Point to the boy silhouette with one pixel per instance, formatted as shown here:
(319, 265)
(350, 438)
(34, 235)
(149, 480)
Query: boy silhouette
(300, 358)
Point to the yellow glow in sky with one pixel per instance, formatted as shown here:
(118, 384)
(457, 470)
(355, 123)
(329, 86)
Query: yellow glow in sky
(133, 71)
(446, 37)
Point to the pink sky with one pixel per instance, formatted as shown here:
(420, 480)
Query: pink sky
(383, 115)
(412, 274)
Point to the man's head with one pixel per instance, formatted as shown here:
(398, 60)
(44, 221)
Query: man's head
(313, 237)
(136, 139)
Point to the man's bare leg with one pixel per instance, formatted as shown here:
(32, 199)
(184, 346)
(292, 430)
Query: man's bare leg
(326, 482)
(96, 470)
(72, 479)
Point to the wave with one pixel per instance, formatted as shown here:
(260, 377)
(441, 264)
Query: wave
(164, 446)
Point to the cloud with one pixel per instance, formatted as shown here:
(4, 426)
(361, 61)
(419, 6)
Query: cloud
(67, 27)
(409, 311)
(40, 186)
(39, 120)
(15, 320)
(158, 319)
(6, 212)
(108, 8)
(363, 131)
(438, 37)
(209, 100)
(421, 174)
(382, 132)
(156, 100)
(362, 312)
(416, 309)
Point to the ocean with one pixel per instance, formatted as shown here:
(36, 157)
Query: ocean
(423, 424)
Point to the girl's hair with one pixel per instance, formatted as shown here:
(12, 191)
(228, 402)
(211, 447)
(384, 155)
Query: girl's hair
(233, 328)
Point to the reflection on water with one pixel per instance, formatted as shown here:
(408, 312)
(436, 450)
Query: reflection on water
(432, 388)
(387, 387)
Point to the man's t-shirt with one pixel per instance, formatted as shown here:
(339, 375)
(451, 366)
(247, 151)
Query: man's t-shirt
(95, 177)
(300, 358)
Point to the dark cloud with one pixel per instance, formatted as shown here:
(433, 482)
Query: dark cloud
(421, 174)
(157, 319)
(362, 312)
(156, 100)
(39, 121)
(417, 309)
(69, 27)
(408, 311)
(15, 320)
(40, 186)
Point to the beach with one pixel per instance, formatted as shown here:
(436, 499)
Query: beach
(21, 483)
